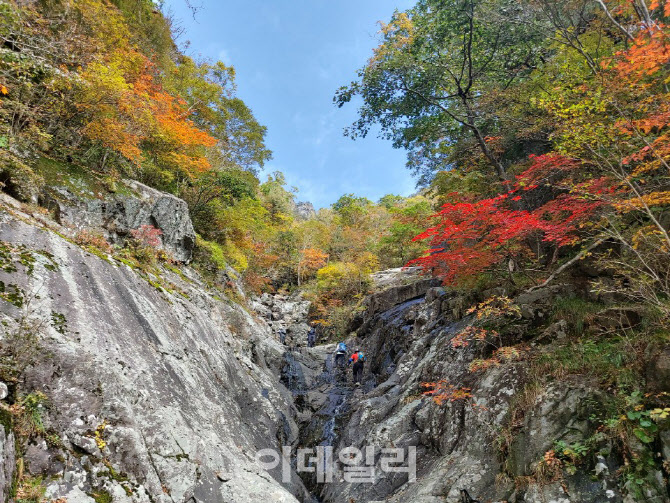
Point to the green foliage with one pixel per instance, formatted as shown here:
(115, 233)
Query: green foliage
(608, 359)
(33, 404)
(438, 63)
(210, 252)
(576, 311)
(102, 496)
(408, 219)
(352, 209)
(571, 454)
(59, 322)
(17, 178)
(276, 198)
(209, 88)
(389, 201)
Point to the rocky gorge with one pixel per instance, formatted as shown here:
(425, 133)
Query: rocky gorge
(152, 386)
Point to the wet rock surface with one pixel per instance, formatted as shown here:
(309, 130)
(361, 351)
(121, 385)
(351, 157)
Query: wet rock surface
(407, 340)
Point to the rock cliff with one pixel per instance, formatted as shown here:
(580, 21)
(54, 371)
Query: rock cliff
(154, 392)
(489, 446)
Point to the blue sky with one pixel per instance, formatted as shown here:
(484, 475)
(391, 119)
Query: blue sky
(290, 56)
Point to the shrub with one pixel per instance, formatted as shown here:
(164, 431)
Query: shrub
(209, 255)
(96, 240)
(147, 235)
(343, 279)
(17, 179)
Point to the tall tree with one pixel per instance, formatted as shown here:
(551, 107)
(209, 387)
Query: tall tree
(425, 84)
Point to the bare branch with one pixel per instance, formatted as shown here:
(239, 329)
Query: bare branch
(614, 21)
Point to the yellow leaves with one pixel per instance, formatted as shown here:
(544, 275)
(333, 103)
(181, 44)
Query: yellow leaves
(99, 435)
(3, 90)
(659, 198)
(400, 23)
(649, 237)
(496, 306)
(106, 24)
(646, 168)
(398, 34)
(660, 414)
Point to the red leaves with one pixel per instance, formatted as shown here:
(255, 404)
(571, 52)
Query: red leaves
(544, 168)
(471, 237)
(148, 235)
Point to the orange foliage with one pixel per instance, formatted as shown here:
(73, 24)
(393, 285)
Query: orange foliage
(312, 259)
(442, 392)
(130, 113)
(469, 334)
(500, 356)
(649, 53)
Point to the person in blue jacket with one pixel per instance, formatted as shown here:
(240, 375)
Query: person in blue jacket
(340, 354)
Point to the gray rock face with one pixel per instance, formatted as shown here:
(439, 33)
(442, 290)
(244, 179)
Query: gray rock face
(390, 297)
(658, 371)
(41, 460)
(284, 313)
(175, 392)
(395, 277)
(304, 210)
(407, 341)
(115, 215)
(7, 462)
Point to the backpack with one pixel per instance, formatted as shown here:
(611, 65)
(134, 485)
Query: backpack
(342, 347)
(361, 356)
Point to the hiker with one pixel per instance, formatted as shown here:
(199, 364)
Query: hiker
(358, 361)
(340, 354)
(282, 335)
(311, 337)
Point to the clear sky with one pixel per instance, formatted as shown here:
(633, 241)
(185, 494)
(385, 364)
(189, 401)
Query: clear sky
(290, 57)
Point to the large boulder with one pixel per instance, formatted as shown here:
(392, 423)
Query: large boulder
(116, 214)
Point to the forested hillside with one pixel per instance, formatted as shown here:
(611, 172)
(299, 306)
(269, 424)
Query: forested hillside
(541, 128)
(101, 88)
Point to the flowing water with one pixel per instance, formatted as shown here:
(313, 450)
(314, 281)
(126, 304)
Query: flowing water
(335, 388)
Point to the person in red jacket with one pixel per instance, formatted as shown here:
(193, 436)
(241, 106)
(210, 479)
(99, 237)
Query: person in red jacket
(358, 361)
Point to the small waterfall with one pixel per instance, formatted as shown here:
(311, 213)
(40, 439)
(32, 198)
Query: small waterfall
(336, 404)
